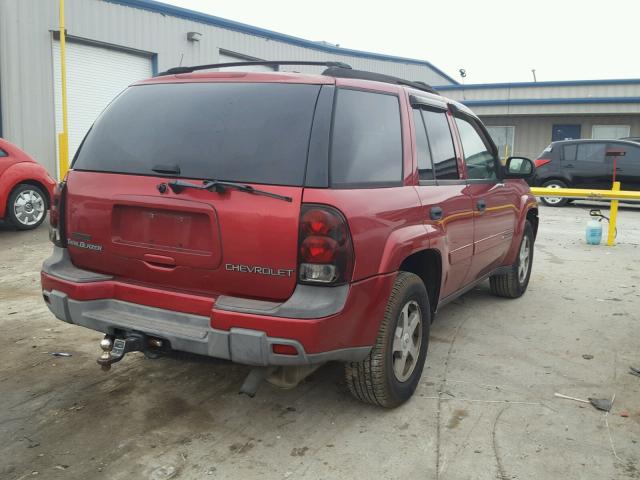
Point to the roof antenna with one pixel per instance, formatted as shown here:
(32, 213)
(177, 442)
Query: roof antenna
(181, 57)
(533, 70)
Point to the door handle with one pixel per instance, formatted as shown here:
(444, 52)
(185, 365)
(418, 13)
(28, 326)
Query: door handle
(569, 165)
(482, 205)
(159, 261)
(435, 213)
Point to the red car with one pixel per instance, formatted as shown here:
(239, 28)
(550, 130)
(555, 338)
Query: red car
(26, 189)
(283, 220)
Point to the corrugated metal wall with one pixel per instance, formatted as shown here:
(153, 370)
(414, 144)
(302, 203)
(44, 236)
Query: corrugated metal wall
(482, 98)
(533, 134)
(26, 69)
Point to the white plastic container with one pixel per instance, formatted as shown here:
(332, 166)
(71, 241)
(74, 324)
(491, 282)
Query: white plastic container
(593, 232)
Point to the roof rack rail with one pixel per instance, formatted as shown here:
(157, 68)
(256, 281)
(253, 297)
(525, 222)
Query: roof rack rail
(377, 77)
(274, 63)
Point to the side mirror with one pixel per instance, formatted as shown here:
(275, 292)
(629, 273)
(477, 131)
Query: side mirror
(519, 167)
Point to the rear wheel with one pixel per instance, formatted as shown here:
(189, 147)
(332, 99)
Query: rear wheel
(514, 283)
(554, 201)
(27, 206)
(391, 372)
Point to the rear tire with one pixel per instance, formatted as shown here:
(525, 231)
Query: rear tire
(554, 201)
(27, 207)
(514, 283)
(391, 372)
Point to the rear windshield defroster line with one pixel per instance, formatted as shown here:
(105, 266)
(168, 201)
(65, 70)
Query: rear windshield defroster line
(243, 132)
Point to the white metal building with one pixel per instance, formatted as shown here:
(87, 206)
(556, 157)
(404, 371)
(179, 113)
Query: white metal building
(113, 43)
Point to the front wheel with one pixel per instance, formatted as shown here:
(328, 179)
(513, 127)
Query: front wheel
(513, 283)
(391, 372)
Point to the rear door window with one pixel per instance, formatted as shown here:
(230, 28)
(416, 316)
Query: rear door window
(441, 143)
(425, 164)
(366, 147)
(591, 152)
(569, 153)
(245, 132)
(3, 153)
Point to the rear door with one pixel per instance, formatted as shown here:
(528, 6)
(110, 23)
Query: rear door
(495, 203)
(586, 165)
(448, 213)
(125, 219)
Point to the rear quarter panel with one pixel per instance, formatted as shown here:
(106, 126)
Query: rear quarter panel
(386, 224)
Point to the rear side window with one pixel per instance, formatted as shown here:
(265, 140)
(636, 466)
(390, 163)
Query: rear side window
(425, 164)
(441, 143)
(3, 153)
(366, 146)
(245, 132)
(591, 152)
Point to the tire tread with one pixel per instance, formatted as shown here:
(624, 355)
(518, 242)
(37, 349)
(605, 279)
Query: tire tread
(366, 379)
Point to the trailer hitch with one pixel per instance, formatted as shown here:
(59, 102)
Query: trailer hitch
(114, 349)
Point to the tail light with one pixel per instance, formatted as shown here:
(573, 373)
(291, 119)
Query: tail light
(56, 215)
(541, 161)
(325, 250)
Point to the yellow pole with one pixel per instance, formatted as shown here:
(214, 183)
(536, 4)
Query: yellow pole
(63, 137)
(613, 217)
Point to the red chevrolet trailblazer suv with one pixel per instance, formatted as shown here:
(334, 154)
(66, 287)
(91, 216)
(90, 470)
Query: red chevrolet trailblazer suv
(283, 220)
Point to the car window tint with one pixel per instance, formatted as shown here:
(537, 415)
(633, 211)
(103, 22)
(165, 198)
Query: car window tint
(569, 152)
(478, 159)
(366, 147)
(591, 152)
(441, 143)
(244, 132)
(425, 165)
(3, 153)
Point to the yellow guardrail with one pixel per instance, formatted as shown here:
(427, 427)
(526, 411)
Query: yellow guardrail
(615, 194)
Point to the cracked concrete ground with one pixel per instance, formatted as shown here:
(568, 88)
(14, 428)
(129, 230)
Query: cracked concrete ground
(485, 407)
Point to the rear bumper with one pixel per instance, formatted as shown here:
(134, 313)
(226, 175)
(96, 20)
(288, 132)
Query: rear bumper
(321, 324)
(187, 332)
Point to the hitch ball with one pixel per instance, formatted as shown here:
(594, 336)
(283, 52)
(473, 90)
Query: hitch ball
(106, 344)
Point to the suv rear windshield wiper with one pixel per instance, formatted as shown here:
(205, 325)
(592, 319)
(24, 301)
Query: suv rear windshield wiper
(220, 186)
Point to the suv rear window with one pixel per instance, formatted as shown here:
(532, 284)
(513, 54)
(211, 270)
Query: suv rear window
(245, 132)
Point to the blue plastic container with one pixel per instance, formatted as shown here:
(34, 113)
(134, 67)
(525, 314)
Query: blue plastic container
(593, 232)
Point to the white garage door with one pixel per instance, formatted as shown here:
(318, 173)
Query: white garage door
(95, 76)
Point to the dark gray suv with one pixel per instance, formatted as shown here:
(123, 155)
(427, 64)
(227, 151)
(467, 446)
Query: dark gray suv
(585, 164)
